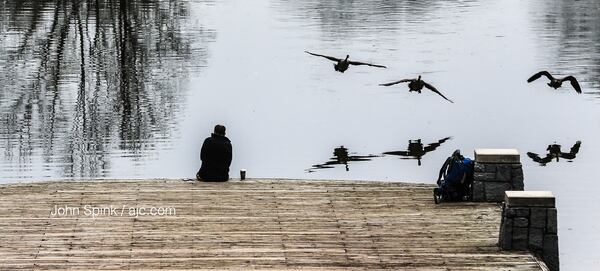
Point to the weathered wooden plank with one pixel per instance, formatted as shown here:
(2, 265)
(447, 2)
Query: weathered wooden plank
(258, 224)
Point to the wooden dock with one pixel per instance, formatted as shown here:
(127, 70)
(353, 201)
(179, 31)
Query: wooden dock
(256, 224)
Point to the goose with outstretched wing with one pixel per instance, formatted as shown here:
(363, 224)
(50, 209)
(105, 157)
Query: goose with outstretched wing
(556, 82)
(417, 85)
(341, 65)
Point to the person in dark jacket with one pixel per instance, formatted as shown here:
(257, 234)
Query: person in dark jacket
(216, 157)
(457, 174)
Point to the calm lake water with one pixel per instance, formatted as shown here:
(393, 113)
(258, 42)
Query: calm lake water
(129, 89)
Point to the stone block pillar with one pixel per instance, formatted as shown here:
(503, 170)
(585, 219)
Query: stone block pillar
(496, 171)
(529, 222)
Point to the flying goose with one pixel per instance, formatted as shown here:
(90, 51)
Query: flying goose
(416, 85)
(343, 64)
(556, 82)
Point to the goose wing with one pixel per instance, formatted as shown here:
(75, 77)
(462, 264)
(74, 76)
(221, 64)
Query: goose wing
(430, 87)
(321, 166)
(361, 157)
(368, 64)
(399, 153)
(571, 154)
(538, 75)
(434, 146)
(536, 158)
(575, 148)
(574, 83)
(396, 82)
(328, 57)
(328, 164)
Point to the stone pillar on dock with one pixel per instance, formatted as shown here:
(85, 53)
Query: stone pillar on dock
(496, 171)
(529, 222)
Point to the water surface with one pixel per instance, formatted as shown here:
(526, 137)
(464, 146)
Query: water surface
(129, 89)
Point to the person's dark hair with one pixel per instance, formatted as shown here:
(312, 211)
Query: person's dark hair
(219, 129)
(456, 155)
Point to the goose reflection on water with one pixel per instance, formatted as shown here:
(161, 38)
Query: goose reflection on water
(554, 152)
(341, 156)
(416, 149)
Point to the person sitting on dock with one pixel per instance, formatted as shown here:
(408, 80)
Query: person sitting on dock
(457, 174)
(216, 157)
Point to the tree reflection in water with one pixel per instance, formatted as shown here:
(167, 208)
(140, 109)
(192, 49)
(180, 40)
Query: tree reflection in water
(82, 80)
(570, 31)
(348, 20)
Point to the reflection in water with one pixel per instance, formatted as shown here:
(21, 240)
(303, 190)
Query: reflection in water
(84, 79)
(416, 149)
(341, 156)
(570, 30)
(350, 19)
(554, 152)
